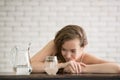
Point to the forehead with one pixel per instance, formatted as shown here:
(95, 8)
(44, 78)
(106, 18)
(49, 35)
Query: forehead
(71, 44)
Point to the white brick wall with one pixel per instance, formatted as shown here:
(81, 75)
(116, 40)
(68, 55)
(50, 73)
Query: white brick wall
(37, 21)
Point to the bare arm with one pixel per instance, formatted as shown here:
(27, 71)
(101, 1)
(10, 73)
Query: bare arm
(98, 65)
(92, 65)
(102, 68)
(37, 61)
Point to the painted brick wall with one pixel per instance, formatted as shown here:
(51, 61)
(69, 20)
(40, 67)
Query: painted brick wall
(37, 21)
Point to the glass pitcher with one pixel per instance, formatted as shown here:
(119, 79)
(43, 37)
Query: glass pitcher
(21, 60)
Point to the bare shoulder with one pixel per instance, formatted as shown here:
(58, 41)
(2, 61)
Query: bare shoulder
(92, 59)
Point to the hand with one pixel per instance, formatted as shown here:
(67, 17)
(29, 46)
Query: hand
(63, 65)
(74, 67)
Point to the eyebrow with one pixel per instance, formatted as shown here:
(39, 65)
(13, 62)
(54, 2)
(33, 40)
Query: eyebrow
(66, 49)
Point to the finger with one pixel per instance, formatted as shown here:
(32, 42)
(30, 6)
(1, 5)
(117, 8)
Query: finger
(71, 70)
(67, 69)
(70, 66)
(82, 64)
(80, 69)
(73, 66)
(76, 67)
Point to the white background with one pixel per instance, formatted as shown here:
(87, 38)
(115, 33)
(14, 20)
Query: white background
(37, 21)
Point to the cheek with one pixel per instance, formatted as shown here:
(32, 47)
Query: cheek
(72, 56)
(63, 53)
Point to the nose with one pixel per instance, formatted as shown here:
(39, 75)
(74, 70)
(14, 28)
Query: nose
(68, 55)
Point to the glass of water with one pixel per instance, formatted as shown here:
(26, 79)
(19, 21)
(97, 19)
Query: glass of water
(51, 65)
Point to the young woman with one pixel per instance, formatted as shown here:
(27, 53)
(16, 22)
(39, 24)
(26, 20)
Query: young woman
(68, 45)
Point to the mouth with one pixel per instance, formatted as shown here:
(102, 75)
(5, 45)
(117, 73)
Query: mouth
(69, 59)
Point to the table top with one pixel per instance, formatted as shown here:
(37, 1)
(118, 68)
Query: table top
(41, 76)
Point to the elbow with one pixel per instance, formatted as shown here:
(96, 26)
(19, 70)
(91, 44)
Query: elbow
(117, 69)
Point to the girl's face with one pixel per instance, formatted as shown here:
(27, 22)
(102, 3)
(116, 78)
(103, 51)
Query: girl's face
(71, 49)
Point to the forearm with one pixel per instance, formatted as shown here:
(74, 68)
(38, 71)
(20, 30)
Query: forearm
(102, 68)
(37, 67)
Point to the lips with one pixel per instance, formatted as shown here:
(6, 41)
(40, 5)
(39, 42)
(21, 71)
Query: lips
(69, 59)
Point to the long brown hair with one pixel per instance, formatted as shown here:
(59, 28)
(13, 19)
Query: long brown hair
(69, 32)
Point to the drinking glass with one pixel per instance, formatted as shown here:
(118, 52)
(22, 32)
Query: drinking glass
(51, 65)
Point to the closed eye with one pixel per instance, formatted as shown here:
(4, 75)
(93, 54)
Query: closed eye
(63, 49)
(73, 51)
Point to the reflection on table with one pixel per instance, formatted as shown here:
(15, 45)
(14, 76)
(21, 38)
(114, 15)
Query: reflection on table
(44, 76)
